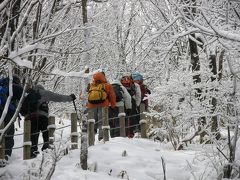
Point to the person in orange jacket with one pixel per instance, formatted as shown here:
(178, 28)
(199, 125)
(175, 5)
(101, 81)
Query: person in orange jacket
(96, 107)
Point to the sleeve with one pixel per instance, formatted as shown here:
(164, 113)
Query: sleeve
(127, 98)
(112, 96)
(138, 94)
(51, 96)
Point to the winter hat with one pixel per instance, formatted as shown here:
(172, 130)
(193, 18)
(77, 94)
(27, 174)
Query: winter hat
(126, 74)
(137, 76)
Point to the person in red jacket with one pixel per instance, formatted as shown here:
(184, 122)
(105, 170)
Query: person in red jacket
(108, 99)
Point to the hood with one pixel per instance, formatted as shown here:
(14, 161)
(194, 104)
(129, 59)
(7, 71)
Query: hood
(99, 76)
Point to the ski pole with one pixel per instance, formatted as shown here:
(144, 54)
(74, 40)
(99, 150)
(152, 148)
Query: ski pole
(75, 107)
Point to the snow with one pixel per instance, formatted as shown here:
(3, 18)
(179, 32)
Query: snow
(140, 159)
(73, 74)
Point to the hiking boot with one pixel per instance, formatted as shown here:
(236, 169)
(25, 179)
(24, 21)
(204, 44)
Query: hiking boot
(34, 154)
(100, 138)
(45, 146)
(6, 157)
(3, 163)
(131, 135)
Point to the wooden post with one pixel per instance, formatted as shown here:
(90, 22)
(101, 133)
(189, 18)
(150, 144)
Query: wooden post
(143, 122)
(51, 129)
(122, 116)
(105, 124)
(27, 140)
(91, 133)
(84, 145)
(2, 145)
(74, 133)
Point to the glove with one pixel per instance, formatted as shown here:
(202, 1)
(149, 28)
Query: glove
(73, 96)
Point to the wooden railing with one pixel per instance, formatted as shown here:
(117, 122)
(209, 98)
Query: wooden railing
(75, 134)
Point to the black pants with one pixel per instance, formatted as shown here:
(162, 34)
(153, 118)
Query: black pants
(9, 139)
(132, 122)
(39, 123)
(114, 123)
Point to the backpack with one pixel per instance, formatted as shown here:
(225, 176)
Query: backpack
(4, 92)
(131, 90)
(118, 92)
(97, 93)
(31, 103)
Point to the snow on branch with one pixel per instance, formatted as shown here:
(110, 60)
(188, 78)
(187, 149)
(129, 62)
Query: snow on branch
(67, 30)
(25, 17)
(15, 55)
(81, 74)
(23, 62)
(4, 4)
(26, 49)
(224, 34)
(163, 29)
(184, 33)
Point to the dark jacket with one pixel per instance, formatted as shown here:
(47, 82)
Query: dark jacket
(47, 96)
(17, 93)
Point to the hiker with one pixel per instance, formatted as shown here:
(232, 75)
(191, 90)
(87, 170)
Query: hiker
(138, 78)
(100, 94)
(4, 93)
(83, 95)
(123, 98)
(35, 108)
(133, 89)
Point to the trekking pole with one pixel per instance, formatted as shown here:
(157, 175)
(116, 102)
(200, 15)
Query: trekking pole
(19, 119)
(75, 107)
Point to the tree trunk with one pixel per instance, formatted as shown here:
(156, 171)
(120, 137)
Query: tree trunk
(196, 79)
(214, 123)
(190, 13)
(84, 135)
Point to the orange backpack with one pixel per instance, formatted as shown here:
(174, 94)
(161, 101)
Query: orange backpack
(97, 93)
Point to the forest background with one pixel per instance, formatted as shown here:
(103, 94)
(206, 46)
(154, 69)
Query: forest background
(187, 51)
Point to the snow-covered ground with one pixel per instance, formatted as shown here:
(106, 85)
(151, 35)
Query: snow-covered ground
(144, 160)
